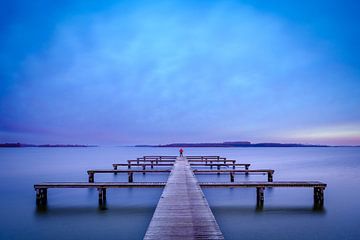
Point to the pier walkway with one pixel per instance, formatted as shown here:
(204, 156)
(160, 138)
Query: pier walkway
(182, 211)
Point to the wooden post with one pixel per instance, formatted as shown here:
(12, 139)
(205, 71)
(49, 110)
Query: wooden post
(152, 164)
(270, 177)
(130, 177)
(102, 197)
(137, 160)
(91, 177)
(318, 197)
(218, 168)
(232, 176)
(115, 168)
(259, 197)
(129, 164)
(211, 166)
(41, 197)
(246, 168)
(144, 167)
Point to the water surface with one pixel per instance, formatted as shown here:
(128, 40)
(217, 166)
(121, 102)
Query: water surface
(73, 213)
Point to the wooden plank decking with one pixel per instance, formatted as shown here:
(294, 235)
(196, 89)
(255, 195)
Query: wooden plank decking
(182, 211)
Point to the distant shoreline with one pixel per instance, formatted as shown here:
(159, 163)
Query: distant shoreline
(176, 145)
(238, 144)
(22, 145)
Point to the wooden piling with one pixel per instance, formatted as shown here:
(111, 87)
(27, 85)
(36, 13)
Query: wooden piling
(232, 176)
(41, 197)
(91, 177)
(130, 177)
(318, 197)
(260, 197)
(102, 197)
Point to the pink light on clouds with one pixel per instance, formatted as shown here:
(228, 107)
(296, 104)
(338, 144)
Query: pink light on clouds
(348, 134)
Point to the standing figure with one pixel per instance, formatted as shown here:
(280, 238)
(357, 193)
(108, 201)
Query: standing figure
(181, 152)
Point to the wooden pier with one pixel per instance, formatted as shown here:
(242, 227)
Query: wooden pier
(183, 212)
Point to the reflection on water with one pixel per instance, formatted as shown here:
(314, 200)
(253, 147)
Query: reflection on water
(74, 214)
(247, 210)
(88, 211)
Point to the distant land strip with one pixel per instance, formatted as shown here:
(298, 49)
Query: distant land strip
(18, 145)
(238, 144)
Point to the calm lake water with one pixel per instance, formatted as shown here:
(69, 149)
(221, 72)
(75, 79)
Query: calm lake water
(74, 213)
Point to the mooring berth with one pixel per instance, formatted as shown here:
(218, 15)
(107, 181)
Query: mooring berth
(138, 161)
(211, 161)
(42, 188)
(219, 165)
(159, 157)
(143, 165)
(232, 173)
(204, 157)
(318, 187)
(91, 173)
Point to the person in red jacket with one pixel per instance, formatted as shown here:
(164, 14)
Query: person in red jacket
(181, 152)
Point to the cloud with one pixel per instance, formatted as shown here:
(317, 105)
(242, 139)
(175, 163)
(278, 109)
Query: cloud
(165, 72)
(332, 134)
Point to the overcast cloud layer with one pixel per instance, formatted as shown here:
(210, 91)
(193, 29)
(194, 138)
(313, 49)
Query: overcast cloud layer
(165, 71)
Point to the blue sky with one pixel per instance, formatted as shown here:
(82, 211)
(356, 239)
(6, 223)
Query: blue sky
(125, 72)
